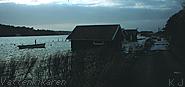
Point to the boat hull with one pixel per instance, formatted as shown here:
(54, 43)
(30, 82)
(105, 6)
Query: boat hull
(31, 46)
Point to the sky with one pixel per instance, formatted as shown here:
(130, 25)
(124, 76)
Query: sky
(66, 14)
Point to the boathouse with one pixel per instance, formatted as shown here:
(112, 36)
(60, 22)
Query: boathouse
(85, 37)
(131, 34)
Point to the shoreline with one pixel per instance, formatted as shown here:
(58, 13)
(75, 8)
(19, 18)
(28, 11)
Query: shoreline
(35, 35)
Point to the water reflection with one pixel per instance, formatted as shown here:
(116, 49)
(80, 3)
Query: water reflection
(9, 49)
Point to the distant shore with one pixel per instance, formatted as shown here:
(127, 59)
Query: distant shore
(35, 35)
(12, 31)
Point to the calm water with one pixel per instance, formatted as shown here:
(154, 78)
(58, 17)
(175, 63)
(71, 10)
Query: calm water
(9, 49)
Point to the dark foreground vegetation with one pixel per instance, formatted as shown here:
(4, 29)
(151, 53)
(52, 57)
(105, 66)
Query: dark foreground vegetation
(82, 69)
(31, 71)
(7, 30)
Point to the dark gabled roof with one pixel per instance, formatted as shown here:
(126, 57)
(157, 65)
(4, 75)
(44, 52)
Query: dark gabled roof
(94, 32)
(145, 32)
(129, 31)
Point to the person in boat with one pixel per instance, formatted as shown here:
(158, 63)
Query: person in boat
(35, 41)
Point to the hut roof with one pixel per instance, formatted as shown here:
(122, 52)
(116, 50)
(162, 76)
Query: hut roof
(131, 30)
(94, 32)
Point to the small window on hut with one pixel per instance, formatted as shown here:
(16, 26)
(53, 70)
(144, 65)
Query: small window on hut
(98, 43)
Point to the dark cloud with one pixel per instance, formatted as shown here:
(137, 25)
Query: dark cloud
(151, 4)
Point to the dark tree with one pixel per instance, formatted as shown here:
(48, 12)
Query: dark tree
(175, 32)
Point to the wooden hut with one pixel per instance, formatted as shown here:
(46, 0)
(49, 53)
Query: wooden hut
(85, 37)
(131, 34)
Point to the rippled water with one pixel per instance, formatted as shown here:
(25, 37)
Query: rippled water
(9, 49)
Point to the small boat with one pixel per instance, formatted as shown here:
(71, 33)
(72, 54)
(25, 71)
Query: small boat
(31, 46)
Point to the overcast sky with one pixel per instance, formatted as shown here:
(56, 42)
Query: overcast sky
(66, 14)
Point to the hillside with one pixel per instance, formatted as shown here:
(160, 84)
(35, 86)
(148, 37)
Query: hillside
(7, 30)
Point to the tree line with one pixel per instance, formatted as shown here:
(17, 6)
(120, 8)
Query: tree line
(8, 30)
(175, 31)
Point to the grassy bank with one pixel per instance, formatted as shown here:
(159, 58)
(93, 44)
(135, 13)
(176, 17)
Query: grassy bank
(86, 68)
(34, 69)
